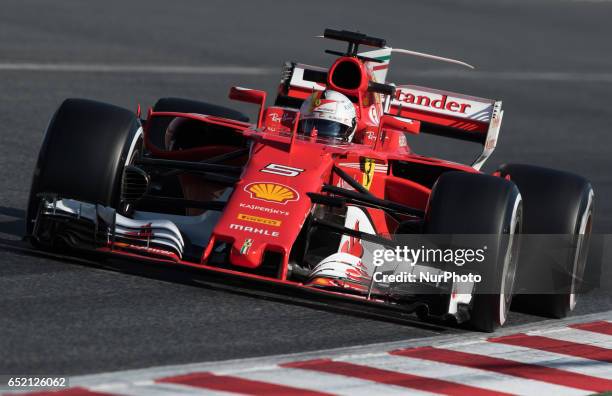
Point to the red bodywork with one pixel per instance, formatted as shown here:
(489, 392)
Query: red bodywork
(269, 205)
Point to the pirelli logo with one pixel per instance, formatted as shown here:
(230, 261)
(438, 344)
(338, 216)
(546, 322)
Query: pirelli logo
(260, 220)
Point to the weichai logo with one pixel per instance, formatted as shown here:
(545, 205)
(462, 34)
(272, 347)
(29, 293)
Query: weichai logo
(441, 102)
(272, 192)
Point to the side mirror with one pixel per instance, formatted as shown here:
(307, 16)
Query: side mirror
(250, 96)
(280, 119)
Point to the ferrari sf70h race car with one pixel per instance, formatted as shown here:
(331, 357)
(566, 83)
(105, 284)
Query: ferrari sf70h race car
(199, 185)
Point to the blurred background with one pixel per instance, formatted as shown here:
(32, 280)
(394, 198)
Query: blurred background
(549, 61)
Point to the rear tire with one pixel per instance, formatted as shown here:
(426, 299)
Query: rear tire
(468, 203)
(84, 151)
(559, 203)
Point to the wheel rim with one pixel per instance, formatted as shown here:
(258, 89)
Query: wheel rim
(510, 264)
(135, 147)
(583, 236)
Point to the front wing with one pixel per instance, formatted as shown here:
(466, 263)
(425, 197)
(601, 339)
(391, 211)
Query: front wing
(86, 226)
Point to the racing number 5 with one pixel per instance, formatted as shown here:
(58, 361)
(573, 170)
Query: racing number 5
(282, 170)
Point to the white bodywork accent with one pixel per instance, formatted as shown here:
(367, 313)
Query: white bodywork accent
(356, 219)
(492, 135)
(459, 296)
(197, 229)
(438, 102)
(157, 231)
(297, 77)
(336, 266)
(341, 263)
(379, 69)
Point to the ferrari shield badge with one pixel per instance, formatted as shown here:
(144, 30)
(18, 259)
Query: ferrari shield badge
(368, 167)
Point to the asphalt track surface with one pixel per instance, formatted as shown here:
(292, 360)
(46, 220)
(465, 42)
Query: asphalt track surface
(548, 61)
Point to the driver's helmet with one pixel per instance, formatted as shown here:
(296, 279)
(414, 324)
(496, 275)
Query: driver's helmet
(332, 115)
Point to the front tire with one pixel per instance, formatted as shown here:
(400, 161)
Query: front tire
(468, 203)
(84, 151)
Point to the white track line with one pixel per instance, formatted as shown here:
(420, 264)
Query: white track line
(578, 336)
(526, 75)
(325, 382)
(465, 375)
(145, 69)
(535, 356)
(154, 389)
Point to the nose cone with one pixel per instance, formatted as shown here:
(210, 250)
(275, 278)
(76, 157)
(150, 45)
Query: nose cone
(270, 203)
(246, 253)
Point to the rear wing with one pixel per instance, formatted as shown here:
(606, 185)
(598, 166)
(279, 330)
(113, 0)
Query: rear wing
(451, 115)
(442, 113)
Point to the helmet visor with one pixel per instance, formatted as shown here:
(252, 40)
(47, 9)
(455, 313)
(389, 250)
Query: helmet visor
(325, 128)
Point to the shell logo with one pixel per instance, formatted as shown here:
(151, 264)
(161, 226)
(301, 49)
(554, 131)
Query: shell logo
(272, 192)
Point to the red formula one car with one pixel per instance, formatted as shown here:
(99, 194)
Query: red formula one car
(285, 201)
